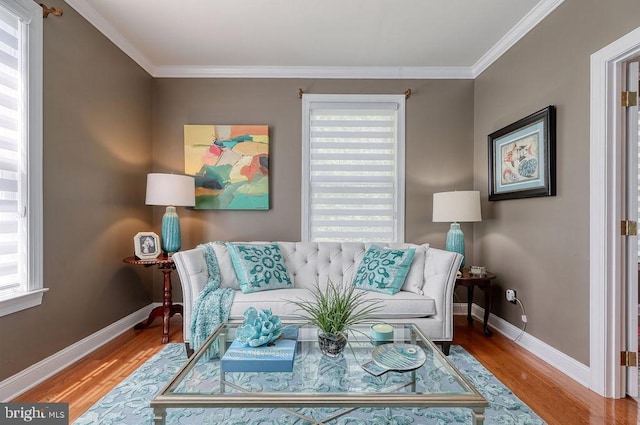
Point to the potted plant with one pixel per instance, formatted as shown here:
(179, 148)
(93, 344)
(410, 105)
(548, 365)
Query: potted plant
(333, 311)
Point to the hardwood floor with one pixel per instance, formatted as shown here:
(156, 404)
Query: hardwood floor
(553, 396)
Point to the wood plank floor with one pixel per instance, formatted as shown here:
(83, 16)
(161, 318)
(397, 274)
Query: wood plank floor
(553, 396)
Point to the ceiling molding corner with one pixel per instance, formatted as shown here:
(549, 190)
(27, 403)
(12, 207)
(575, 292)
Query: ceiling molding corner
(85, 9)
(526, 24)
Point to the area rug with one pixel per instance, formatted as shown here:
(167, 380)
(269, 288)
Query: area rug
(128, 402)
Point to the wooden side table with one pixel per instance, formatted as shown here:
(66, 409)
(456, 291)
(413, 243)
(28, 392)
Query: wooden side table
(167, 309)
(483, 282)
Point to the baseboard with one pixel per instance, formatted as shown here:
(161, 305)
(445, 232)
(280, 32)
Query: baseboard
(565, 364)
(23, 381)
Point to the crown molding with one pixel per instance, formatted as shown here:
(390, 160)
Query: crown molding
(526, 24)
(317, 72)
(89, 13)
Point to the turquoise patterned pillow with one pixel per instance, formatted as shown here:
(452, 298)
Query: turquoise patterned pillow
(383, 270)
(259, 267)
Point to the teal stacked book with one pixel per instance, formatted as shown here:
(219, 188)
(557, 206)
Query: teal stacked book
(274, 357)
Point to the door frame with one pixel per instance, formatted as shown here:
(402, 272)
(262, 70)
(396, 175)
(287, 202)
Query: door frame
(606, 305)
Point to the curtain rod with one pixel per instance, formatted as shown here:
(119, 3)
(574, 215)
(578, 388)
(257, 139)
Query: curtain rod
(407, 93)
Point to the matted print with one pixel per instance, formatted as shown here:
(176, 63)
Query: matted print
(522, 158)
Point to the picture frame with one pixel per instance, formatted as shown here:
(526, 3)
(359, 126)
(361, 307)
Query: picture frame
(522, 157)
(146, 245)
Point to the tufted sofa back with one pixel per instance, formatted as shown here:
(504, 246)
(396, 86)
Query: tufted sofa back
(311, 263)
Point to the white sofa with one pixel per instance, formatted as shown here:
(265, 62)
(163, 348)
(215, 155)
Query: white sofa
(426, 298)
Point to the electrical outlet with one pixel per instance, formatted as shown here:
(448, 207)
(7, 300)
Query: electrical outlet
(511, 295)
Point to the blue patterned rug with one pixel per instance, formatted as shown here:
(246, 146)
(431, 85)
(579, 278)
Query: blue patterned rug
(128, 402)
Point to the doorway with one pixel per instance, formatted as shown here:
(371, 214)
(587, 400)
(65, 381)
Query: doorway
(606, 211)
(633, 139)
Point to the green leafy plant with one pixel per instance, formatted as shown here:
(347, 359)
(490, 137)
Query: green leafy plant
(337, 308)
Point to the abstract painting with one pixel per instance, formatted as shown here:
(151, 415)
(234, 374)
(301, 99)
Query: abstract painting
(230, 164)
(522, 158)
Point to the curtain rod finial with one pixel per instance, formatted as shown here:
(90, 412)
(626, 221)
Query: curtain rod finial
(407, 94)
(46, 10)
(300, 93)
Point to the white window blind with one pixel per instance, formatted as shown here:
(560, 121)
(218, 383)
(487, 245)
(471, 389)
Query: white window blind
(21, 284)
(353, 166)
(12, 170)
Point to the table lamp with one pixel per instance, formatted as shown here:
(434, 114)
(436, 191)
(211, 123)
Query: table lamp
(170, 190)
(456, 207)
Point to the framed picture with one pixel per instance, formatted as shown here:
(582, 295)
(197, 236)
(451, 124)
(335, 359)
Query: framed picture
(522, 158)
(146, 245)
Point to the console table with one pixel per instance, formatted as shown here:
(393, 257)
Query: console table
(483, 282)
(167, 309)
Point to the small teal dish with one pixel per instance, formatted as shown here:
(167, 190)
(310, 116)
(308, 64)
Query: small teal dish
(400, 357)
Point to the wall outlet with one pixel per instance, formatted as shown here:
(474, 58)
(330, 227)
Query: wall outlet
(511, 295)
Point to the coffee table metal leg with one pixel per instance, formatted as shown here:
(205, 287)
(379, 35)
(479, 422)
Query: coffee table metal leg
(222, 347)
(478, 416)
(159, 415)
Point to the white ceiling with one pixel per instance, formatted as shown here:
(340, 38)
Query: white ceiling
(314, 38)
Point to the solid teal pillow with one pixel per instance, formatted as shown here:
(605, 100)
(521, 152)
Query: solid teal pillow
(259, 267)
(383, 270)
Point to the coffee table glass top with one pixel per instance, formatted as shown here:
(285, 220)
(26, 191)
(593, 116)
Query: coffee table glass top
(318, 380)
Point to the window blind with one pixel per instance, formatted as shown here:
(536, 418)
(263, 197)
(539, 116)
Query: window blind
(353, 171)
(12, 227)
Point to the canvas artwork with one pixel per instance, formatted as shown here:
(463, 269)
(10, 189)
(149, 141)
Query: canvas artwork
(230, 164)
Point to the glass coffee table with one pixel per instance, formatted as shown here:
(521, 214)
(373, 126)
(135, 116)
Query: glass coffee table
(321, 389)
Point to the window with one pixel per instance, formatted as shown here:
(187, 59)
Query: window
(353, 168)
(20, 155)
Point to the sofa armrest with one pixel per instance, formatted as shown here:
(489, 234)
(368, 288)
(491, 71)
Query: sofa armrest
(439, 282)
(194, 274)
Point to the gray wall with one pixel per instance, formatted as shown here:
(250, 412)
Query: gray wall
(439, 135)
(540, 246)
(97, 151)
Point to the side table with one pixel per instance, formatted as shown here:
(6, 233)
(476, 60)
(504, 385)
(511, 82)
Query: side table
(483, 282)
(167, 309)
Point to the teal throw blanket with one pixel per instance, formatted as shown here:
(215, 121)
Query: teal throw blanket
(212, 306)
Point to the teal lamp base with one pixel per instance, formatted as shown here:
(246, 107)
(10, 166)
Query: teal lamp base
(171, 231)
(455, 241)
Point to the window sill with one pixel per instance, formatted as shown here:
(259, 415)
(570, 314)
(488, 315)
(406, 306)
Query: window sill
(12, 303)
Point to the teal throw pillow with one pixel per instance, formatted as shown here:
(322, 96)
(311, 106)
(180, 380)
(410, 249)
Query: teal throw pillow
(259, 267)
(383, 270)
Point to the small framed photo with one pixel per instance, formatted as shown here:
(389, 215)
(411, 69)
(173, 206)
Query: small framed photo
(522, 158)
(146, 245)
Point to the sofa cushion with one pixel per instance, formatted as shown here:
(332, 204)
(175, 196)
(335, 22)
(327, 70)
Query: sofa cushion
(259, 267)
(277, 301)
(383, 269)
(401, 305)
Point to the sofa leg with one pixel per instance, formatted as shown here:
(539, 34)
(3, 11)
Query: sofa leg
(446, 346)
(188, 349)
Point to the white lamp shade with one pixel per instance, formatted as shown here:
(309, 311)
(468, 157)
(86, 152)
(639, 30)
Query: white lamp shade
(460, 206)
(170, 189)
